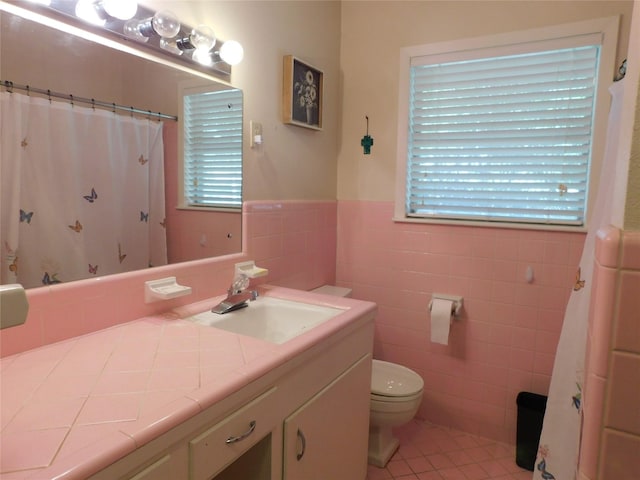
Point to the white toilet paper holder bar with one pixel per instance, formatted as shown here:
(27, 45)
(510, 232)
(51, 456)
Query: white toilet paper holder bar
(456, 302)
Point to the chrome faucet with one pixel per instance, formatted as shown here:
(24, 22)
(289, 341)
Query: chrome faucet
(237, 296)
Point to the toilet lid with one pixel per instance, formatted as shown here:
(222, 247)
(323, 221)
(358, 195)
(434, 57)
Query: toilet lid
(393, 380)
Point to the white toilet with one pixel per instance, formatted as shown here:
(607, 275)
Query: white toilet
(396, 393)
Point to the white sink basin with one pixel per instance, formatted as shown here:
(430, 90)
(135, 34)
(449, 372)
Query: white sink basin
(272, 319)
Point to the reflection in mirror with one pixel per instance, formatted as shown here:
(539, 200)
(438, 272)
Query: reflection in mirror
(94, 176)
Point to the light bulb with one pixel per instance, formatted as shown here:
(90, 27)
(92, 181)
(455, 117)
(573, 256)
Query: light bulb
(121, 9)
(170, 46)
(165, 24)
(202, 57)
(231, 52)
(132, 29)
(202, 38)
(88, 11)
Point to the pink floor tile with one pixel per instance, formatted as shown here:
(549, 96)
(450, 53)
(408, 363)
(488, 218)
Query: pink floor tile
(431, 452)
(419, 464)
(397, 468)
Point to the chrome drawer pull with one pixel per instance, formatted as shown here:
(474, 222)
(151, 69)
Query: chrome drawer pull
(252, 427)
(304, 445)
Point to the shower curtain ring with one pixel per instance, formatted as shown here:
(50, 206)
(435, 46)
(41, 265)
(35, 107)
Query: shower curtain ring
(28, 92)
(114, 107)
(71, 99)
(131, 111)
(49, 95)
(8, 85)
(93, 104)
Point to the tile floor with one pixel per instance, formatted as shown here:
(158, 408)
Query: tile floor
(431, 452)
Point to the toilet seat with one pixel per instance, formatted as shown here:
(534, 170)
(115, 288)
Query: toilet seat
(379, 399)
(391, 382)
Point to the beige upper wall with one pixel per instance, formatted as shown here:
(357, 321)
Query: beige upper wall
(373, 33)
(293, 162)
(356, 44)
(632, 206)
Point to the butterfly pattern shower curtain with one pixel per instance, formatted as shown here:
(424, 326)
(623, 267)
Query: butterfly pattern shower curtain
(557, 457)
(82, 192)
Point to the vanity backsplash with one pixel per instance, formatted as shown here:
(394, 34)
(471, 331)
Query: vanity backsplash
(294, 240)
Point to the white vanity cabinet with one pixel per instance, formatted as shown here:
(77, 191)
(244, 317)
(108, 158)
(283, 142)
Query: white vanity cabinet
(320, 394)
(229, 439)
(326, 437)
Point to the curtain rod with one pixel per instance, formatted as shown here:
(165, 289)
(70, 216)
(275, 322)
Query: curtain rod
(10, 86)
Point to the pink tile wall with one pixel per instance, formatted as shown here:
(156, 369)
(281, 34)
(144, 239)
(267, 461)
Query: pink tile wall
(611, 426)
(295, 240)
(505, 340)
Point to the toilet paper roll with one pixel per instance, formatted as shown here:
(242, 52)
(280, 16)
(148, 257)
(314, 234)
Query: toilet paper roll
(440, 320)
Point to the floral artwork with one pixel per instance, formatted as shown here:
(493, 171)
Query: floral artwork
(302, 94)
(306, 92)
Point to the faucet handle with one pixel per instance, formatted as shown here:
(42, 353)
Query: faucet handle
(254, 295)
(240, 283)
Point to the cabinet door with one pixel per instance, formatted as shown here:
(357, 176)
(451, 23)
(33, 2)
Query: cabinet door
(327, 437)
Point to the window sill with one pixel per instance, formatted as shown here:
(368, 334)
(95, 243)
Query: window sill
(210, 209)
(487, 224)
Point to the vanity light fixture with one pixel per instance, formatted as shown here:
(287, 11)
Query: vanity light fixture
(201, 38)
(231, 52)
(199, 42)
(91, 12)
(120, 9)
(161, 32)
(163, 23)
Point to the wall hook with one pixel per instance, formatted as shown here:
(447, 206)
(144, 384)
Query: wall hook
(367, 141)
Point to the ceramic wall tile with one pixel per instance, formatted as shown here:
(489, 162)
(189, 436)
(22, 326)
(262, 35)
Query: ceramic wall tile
(509, 327)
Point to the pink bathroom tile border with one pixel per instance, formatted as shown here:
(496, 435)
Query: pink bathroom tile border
(611, 432)
(58, 312)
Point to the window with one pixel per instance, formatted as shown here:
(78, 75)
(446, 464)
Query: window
(503, 129)
(212, 149)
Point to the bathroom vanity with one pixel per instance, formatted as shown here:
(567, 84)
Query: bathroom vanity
(297, 410)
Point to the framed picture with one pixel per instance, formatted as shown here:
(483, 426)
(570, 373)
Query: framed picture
(302, 94)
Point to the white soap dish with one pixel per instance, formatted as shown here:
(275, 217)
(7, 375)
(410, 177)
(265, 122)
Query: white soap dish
(250, 269)
(164, 289)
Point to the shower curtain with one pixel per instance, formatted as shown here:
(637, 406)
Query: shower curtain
(560, 439)
(82, 192)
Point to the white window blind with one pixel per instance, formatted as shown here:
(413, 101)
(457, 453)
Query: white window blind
(212, 148)
(506, 138)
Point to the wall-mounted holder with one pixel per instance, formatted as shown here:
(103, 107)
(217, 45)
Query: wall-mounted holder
(164, 289)
(456, 302)
(14, 305)
(249, 269)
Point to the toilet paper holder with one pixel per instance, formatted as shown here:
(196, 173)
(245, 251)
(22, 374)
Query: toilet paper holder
(456, 302)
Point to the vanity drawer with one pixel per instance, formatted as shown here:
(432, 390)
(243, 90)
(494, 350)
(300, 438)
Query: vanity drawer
(227, 440)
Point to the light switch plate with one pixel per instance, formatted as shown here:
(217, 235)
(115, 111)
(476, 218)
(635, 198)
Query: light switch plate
(255, 136)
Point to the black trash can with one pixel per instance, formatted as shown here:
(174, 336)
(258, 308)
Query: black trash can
(531, 407)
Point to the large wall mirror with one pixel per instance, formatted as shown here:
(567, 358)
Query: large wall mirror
(48, 59)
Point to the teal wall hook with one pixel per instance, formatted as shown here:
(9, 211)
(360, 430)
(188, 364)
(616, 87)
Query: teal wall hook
(367, 141)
